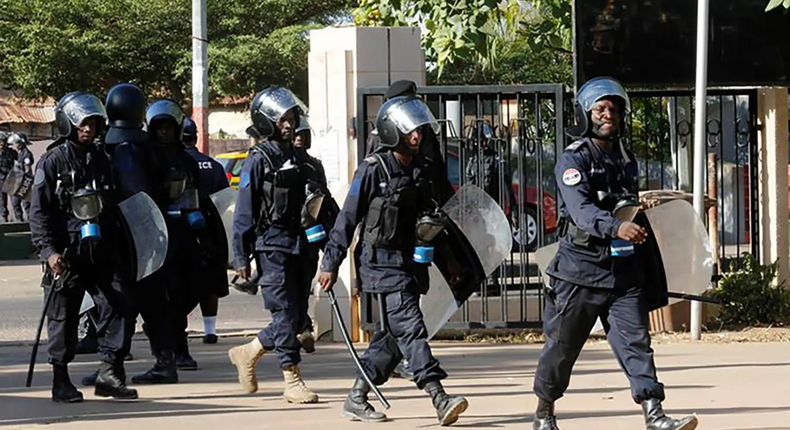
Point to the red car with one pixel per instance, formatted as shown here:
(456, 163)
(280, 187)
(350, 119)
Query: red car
(528, 198)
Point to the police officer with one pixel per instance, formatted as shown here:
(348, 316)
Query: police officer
(267, 223)
(214, 278)
(76, 229)
(24, 163)
(390, 191)
(176, 187)
(588, 277)
(8, 157)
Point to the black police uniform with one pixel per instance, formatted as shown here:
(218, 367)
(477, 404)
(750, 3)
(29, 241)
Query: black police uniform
(587, 282)
(24, 163)
(7, 158)
(94, 267)
(387, 197)
(267, 224)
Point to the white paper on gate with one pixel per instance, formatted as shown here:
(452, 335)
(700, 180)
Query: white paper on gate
(225, 202)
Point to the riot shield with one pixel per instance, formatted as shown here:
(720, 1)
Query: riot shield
(87, 303)
(18, 183)
(225, 204)
(147, 233)
(679, 247)
(469, 249)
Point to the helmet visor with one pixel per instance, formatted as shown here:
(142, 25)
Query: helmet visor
(164, 109)
(598, 88)
(276, 102)
(410, 115)
(82, 107)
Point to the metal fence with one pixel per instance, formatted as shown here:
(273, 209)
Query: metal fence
(528, 125)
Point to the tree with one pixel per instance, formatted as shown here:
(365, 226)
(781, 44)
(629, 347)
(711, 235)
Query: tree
(51, 47)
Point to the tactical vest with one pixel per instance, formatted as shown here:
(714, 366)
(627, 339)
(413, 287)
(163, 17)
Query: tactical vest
(393, 213)
(283, 192)
(73, 177)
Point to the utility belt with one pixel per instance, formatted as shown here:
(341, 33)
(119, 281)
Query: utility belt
(617, 247)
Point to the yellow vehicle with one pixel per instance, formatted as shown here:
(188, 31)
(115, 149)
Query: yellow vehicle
(232, 162)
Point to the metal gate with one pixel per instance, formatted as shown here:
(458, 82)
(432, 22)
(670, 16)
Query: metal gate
(526, 125)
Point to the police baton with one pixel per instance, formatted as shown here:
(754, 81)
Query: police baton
(32, 364)
(353, 352)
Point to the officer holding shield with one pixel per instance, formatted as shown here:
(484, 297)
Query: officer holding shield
(8, 157)
(74, 224)
(268, 225)
(599, 268)
(24, 163)
(394, 195)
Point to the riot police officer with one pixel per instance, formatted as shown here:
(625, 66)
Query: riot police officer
(8, 157)
(76, 229)
(267, 223)
(391, 190)
(176, 187)
(589, 276)
(213, 281)
(24, 163)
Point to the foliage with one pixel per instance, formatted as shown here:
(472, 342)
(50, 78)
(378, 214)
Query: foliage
(51, 47)
(773, 4)
(749, 295)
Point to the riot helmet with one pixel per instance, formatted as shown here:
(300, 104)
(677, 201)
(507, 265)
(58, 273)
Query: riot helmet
(189, 135)
(165, 110)
(76, 107)
(125, 105)
(590, 93)
(400, 116)
(269, 106)
(401, 88)
(304, 131)
(19, 139)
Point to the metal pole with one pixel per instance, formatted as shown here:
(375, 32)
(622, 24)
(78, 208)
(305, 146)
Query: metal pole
(200, 73)
(700, 144)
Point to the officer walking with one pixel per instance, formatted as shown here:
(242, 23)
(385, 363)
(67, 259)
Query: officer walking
(8, 157)
(24, 163)
(391, 190)
(76, 229)
(267, 223)
(589, 277)
(176, 188)
(213, 279)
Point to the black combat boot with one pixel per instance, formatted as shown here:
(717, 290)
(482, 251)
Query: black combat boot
(656, 420)
(163, 372)
(90, 380)
(402, 371)
(109, 384)
(357, 408)
(63, 391)
(544, 416)
(184, 361)
(448, 407)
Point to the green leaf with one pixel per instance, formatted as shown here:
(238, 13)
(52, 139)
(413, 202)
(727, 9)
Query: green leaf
(773, 4)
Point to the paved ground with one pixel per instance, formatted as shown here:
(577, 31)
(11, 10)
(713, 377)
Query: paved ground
(736, 386)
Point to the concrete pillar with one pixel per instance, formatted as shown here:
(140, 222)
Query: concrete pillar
(341, 60)
(200, 73)
(772, 117)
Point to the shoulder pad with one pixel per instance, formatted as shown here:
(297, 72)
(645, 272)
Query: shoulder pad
(575, 146)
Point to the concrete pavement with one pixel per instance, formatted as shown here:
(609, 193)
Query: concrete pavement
(733, 386)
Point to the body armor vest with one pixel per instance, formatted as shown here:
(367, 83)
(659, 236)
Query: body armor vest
(283, 192)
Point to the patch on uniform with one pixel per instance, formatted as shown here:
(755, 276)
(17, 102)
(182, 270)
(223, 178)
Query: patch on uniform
(39, 178)
(244, 180)
(571, 177)
(356, 185)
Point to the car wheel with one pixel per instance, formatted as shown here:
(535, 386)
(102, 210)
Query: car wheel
(526, 238)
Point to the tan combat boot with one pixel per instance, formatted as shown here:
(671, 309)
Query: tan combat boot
(295, 389)
(246, 357)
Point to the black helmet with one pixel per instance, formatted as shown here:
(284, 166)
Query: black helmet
(125, 104)
(402, 115)
(269, 105)
(190, 130)
(304, 127)
(590, 93)
(74, 108)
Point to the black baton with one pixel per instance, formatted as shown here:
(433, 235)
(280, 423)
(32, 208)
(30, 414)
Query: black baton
(38, 335)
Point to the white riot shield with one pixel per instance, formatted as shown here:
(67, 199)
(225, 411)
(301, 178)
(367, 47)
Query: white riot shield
(469, 250)
(18, 183)
(683, 245)
(148, 231)
(87, 303)
(225, 203)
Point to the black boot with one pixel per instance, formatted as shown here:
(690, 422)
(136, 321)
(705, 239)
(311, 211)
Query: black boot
(402, 371)
(63, 391)
(357, 408)
(656, 420)
(184, 361)
(163, 372)
(544, 416)
(90, 380)
(109, 384)
(448, 407)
